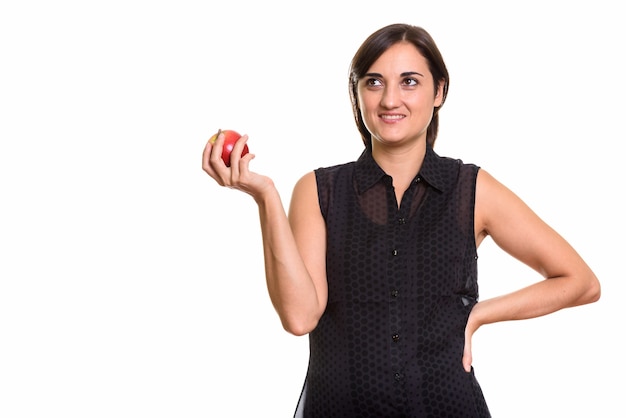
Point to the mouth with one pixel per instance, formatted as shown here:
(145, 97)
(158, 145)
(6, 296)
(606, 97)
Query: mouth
(391, 118)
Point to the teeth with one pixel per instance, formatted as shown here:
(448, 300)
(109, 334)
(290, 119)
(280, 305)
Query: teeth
(392, 116)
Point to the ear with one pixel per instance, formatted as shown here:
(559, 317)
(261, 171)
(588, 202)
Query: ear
(439, 94)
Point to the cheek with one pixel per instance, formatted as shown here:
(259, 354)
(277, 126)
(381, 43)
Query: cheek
(368, 112)
(367, 104)
(359, 100)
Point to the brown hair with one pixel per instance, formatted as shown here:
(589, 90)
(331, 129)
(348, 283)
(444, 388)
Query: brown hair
(374, 46)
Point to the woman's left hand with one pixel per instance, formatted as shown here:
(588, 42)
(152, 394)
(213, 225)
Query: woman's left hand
(470, 329)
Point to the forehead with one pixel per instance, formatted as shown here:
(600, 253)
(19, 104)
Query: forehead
(400, 57)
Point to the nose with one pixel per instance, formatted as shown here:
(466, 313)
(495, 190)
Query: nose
(391, 97)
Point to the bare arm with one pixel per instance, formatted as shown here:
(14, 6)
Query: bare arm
(294, 252)
(516, 229)
(295, 260)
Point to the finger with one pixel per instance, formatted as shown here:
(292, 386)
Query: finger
(212, 162)
(206, 153)
(206, 164)
(242, 169)
(215, 157)
(467, 356)
(467, 363)
(235, 155)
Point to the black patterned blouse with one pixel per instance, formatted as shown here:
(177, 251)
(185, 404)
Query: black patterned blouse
(401, 284)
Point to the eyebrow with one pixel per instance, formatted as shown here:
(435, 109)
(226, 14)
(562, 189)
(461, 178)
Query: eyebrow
(404, 74)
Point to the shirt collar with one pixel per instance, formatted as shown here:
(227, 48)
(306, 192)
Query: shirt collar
(434, 171)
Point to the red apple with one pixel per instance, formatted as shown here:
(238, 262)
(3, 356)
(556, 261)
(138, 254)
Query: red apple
(230, 137)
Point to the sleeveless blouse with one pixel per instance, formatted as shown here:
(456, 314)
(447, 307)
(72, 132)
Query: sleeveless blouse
(402, 281)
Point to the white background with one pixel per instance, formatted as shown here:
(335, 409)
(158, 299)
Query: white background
(132, 285)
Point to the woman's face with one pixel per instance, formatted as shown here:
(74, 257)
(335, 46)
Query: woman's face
(397, 96)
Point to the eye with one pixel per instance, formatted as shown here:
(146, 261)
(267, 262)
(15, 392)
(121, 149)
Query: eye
(372, 82)
(410, 81)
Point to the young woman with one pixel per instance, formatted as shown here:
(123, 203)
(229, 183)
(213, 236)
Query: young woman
(377, 258)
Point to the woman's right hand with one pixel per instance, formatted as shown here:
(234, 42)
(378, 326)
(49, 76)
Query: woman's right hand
(238, 176)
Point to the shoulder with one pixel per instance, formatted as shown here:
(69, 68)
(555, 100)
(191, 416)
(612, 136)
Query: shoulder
(446, 172)
(306, 182)
(335, 169)
(329, 175)
(497, 205)
(488, 185)
(322, 175)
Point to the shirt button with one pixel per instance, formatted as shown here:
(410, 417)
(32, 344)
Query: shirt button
(395, 338)
(394, 293)
(398, 376)
(394, 252)
(401, 221)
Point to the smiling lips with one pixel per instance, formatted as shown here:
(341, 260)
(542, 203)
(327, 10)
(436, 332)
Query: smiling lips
(391, 118)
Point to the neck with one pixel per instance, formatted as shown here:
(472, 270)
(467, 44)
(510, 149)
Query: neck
(401, 163)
